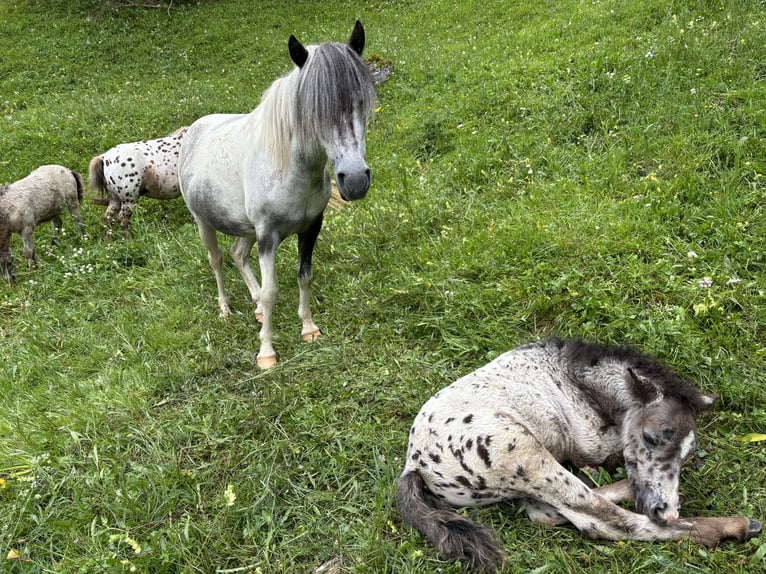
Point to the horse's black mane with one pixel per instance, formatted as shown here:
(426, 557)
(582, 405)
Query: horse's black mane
(591, 354)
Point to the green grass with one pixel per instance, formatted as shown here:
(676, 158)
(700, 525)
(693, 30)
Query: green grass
(539, 168)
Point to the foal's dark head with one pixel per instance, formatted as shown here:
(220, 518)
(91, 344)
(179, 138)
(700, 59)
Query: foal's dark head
(659, 433)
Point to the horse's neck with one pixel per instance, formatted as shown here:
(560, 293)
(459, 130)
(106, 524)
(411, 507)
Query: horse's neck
(275, 128)
(605, 385)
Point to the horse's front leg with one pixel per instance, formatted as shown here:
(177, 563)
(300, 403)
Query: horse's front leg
(267, 247)
(6, 265)
(306, 242)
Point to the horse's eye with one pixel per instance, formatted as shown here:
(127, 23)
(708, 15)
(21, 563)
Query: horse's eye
(650, 438)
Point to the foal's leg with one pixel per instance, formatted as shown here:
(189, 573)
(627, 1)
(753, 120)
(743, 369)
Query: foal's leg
(74, 211)
(596, 517)
(240, 254)
(306, 242)
(542, 513)
(267, 247)
(28, 239)
(215, 258)
(56, 224)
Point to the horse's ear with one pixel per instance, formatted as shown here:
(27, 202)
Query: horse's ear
(705, 401)
(357, 38)
(298, 53)
(641, 387)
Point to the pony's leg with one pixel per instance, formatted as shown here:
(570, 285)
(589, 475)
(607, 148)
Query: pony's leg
(126, 210)
(542, 513)
(240, 254)
(56, 224)
(28, 239)
(306, 242)
(267, 248)
(111, 211)
(535, 472)
(74, 211)
(215, 258)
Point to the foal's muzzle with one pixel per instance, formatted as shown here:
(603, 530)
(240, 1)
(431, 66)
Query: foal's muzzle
(657, 509)
(353, 185)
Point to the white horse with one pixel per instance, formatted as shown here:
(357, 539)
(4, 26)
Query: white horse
(130, 170)
(37, 198)
(505, 431)
(263, 176)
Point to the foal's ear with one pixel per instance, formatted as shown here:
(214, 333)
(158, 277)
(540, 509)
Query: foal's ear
(357, 38)
(705, 401)
(298, 53)
(641, 387)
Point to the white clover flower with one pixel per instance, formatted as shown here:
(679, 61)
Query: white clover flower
(705, 283)
(692, 255)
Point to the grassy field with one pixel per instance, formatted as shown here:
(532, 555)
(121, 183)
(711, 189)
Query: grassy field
(580, 168)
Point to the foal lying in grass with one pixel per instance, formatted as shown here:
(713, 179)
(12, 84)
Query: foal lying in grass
(503, 432)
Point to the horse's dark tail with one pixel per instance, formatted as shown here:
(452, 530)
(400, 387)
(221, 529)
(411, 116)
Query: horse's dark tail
(97, 179)
(453, 535)
(78, 181)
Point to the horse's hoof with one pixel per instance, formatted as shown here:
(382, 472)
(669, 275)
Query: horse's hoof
(311, 337)
(265, 363)
(753, 529)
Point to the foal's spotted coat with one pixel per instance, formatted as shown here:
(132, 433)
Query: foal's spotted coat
(504, 431)
(130, 170)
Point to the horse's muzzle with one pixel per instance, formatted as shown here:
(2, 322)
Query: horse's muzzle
(657, 509)
(353, 186)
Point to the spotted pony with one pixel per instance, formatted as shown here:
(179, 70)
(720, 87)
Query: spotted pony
(130, 170)
(507, 430)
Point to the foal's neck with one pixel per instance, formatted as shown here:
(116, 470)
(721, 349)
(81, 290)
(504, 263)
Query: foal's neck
(605, 385)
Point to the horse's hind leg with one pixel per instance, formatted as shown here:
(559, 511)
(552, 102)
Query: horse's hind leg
(56, 224)
(126, 211)
(240, 254)
(215, 258)
(306, 242)
(74, 211)
(111, 211)
(28, 239)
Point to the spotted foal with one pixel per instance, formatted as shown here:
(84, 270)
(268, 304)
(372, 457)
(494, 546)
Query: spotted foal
(506, 431)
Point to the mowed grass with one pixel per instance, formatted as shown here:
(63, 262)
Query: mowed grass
(572, 168)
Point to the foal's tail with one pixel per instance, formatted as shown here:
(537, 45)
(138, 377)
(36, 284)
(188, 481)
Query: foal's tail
(96, 176)
(453, 535)
(78, 180)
